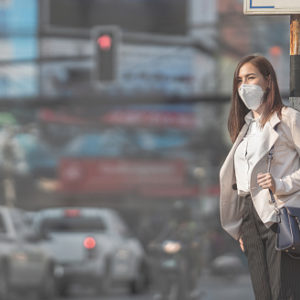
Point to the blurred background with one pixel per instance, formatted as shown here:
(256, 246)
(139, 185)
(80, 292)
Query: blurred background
(121, 106)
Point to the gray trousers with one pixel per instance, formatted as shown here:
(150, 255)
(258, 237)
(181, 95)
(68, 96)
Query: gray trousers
(274, 275)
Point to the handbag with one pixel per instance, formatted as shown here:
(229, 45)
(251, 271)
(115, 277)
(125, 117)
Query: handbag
(288, 229)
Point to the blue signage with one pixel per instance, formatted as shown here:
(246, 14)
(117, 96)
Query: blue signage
(19, 26)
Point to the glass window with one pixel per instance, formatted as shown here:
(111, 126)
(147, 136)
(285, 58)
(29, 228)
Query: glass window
(73, 225)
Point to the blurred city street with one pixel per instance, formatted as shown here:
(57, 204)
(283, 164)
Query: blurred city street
(215, 288)
(210, 288)
(113, 128)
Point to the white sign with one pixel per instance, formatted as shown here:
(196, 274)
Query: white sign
(271, 7)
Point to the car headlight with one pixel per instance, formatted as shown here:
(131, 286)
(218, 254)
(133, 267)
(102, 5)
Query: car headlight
(171, 247)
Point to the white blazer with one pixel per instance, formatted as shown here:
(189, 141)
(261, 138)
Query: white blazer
(284, 134)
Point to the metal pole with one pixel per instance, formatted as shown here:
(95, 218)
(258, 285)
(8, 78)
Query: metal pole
(295, 61)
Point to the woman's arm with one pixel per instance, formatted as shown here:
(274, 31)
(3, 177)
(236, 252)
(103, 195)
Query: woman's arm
(242, 244)
(290, 183)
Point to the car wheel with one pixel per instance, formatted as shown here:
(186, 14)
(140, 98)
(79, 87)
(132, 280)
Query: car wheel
(63, 289)
(4, 286)
(48, 286)
(106, 280)
(140, 283)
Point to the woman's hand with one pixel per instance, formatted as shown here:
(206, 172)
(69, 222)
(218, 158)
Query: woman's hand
(266, 181)
(241, 244)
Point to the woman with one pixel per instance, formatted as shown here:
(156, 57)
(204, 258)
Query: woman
(259, 122)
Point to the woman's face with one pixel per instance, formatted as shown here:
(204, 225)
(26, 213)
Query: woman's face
(249, 74)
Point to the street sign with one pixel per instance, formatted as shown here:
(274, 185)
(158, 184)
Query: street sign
(271, 7)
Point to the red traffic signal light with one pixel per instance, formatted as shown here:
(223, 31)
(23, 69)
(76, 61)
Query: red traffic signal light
(105, 42)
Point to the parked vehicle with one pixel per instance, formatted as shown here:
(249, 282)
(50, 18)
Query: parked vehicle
(92, 247)
(25, 266)
(228, 265)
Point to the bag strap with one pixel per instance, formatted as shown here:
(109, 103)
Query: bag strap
(270, 157)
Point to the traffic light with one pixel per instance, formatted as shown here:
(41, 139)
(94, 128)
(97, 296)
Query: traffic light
(106, 41)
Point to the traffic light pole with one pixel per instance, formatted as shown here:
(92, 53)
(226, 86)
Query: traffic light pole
(295, 61)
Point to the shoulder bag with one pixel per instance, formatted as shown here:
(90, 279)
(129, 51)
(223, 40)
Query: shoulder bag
(288, 230)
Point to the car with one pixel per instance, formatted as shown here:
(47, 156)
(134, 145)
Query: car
(92, 246)
(25, 266)
(228, 265)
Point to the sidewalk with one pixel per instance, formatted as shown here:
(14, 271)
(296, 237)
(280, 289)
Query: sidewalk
(231, 288)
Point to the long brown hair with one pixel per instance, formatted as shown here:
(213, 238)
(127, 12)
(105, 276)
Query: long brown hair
(272, 100)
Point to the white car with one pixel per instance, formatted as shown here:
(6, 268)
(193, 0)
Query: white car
(25, 266)
(92, 245)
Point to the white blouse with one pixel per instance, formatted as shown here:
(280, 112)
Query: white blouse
(243, 157)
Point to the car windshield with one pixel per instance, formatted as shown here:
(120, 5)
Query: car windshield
(73, 225)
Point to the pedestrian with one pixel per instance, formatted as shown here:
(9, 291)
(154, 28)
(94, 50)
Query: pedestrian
(259, 122)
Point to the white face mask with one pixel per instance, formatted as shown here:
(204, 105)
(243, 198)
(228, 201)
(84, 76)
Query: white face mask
(252, 95)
